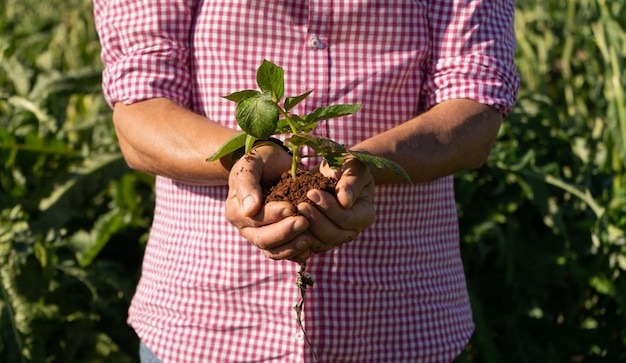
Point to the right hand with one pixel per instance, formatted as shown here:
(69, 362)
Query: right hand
(334, 221)
(273, 227)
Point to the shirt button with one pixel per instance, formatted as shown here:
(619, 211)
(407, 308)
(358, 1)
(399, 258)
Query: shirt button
(315, 43)
(299, 336)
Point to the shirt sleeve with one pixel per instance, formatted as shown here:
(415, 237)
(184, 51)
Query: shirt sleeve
(145, 49)
(472, 53)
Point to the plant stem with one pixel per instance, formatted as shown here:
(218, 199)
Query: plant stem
(295, 157)
(295, 160)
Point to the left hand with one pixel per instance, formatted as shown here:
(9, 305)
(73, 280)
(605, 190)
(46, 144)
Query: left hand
(274, 227)
(334, 221)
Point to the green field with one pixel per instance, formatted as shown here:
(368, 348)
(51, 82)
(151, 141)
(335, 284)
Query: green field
(543, 222)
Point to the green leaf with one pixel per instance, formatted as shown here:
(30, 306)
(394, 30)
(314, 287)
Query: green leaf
(232, 144)
(331, 151)
(85, 80)
(250, 140)
(304, 124)
(85, 180)
(271, 79)
(258, 116)
(282, 127)
(301, 124)
(321, 145)
(328, 112)
(18, 73)
(40, 113)
(380, 162)
(291, 102)
(241, 95)
(335, 160)
(88, 244)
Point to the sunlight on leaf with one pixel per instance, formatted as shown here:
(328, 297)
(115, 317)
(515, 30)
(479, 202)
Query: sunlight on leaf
(291, 102)
(381, 163)
(270, 79)
(333, 111)
(234, 143)
(258, 116)
(241, 95)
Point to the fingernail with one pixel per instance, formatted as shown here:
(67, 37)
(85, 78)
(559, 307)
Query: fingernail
(314, 197)
(287, 213)
(299, 225)
(302, 245)
(303, 209)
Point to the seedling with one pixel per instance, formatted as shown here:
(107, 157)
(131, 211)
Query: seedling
(261, 116)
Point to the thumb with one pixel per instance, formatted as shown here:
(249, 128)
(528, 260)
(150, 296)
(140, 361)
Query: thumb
(244, 184)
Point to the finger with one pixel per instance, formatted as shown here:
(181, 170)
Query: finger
(354, 181)
(351, 187)
(315, 244)
(245, 186)
(301, 258)
(264, 163)
(360, 216)
(269, 213)
(326, 232)
(295, 249)
(277, 236)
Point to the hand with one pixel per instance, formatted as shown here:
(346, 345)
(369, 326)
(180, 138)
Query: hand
(334, 221)
(274, 227)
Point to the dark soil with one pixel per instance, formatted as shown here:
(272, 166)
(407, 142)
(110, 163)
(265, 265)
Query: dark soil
(294, 190)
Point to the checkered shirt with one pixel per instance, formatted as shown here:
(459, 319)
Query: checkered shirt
(397, 293)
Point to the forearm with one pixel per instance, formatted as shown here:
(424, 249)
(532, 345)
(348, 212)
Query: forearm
(453, 136)
(161, 138)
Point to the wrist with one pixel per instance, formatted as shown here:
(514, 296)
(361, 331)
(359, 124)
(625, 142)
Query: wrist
(274, 141)
(237, 154)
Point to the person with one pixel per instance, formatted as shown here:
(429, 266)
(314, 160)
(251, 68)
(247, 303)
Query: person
(435, 80)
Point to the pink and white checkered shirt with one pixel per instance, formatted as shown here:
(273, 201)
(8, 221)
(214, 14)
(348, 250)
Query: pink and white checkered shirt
(397, 294)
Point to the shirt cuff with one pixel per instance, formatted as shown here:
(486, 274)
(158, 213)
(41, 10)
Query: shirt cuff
(478, 78)
(148, 76)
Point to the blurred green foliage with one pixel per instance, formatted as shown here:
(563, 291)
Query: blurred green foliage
(73, 217)
(542, 223)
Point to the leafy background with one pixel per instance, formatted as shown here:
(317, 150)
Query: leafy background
(542, 223)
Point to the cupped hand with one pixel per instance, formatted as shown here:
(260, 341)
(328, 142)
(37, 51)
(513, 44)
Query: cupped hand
(334, 221)
(274, 227)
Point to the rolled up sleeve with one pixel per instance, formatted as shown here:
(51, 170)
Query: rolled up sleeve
(472, 53)
(145, 49)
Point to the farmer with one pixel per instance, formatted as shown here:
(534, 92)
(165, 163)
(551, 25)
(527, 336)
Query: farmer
(435, 80)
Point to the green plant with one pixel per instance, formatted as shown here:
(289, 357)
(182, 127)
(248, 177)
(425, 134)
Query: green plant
(260, 116)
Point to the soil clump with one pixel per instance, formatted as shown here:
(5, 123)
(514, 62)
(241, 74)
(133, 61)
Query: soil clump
(294, 190)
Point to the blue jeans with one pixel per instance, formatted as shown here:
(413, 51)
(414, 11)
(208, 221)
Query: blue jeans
(146, 355)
